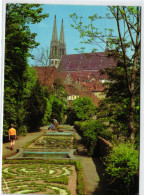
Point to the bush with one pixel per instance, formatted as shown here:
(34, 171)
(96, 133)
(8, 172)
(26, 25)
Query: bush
(122, 164)
(90, 130)
(22, 130)
(82, 109)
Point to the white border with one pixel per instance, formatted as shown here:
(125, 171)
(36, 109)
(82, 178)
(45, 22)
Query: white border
(76, 2)
(80, 2)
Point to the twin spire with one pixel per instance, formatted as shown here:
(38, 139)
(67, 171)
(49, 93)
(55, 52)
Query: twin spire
(57, 48)
(54, 35)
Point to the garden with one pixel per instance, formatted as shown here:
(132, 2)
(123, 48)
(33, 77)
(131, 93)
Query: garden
(44, 177)
(52, 142)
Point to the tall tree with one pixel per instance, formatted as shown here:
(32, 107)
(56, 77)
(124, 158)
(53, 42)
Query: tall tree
(18, 42)
(128, 40)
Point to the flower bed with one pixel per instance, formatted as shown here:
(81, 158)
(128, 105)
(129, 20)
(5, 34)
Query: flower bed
(46, 177)
(52, 142)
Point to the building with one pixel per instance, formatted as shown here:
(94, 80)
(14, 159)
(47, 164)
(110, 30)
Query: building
(57, 47)
(80, 73)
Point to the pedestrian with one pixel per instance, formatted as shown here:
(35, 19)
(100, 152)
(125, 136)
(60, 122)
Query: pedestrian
(12, 135)
(55, 123)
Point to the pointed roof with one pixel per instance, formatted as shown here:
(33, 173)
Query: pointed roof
(54, 36)
(62, 34)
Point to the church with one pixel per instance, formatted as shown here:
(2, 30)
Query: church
(57, 47)
(80, 72)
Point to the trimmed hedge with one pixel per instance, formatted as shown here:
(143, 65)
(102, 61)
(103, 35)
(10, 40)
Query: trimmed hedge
(78, 166)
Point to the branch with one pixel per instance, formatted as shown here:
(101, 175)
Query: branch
(125, 18)
(122, 45)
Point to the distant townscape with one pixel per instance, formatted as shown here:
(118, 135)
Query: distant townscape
(80, 73)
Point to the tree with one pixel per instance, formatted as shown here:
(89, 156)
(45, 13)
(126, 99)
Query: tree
(36, 106)
(42, 59)
(128, 19)
(18, 42)
(58, 108)
(82, 109)
(115, 107)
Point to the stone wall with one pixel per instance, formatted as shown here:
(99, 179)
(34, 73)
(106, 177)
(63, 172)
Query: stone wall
(103, 147)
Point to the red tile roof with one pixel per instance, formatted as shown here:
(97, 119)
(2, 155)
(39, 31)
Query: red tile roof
(47, 75)
(71, 90)
(93, 86)
(83, 76)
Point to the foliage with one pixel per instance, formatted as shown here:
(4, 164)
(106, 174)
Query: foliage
(125, 48)
(36, 105)
(122, 164)
(90, 130)
(80, 178)
(18, 42)
(82, 109)
(116, 106)
(48, 112)
(57, 108)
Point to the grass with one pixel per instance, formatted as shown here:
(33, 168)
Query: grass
(33, 171)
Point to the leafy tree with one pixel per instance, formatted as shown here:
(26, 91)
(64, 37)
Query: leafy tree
(58, 108)
(36, 106)
(59, 90)
(128, 40)
(116, 106)
(82, 109)
(18, 42)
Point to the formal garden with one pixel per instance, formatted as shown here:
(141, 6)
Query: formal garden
(52, 142)
(29, 105)
(44, 177)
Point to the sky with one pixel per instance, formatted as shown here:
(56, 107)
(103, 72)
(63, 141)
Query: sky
(44, 29)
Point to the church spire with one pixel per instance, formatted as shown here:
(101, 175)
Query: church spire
(62, 34)
(62, 46)
(54, 36)
(57, 48)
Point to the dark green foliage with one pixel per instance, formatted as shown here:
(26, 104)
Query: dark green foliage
(90, 130)
(115, 108)
(57, 108)
(36, 106)
(18, 42)
(122, 165)
(82, 109)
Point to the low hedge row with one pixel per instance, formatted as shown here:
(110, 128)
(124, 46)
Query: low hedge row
(80, 182)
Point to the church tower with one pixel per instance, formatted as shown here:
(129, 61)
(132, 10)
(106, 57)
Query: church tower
(62, 46)
(57, 48)
(54, 47)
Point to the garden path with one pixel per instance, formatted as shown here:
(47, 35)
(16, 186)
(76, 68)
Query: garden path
(91, 176)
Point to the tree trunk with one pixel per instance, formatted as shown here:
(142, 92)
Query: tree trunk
(131, 118)
(132, 99)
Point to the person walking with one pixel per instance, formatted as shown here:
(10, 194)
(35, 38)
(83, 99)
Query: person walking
(12, 135)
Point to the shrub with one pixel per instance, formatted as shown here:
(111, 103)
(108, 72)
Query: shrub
(22, 130)
(90, 130)
(122, 164)
(82, 109)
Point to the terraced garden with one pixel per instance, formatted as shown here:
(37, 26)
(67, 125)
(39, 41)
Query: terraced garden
(43, 175)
